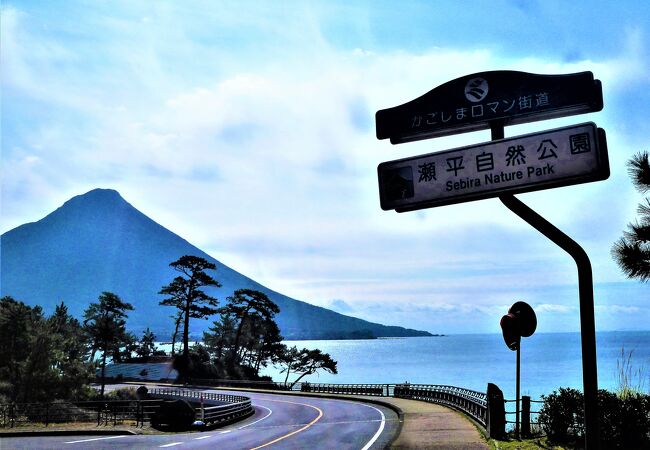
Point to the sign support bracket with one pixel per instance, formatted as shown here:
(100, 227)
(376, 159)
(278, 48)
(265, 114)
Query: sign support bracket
(586, 294)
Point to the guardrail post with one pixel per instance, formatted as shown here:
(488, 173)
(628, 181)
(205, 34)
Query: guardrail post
(496, 412)
(525, 415)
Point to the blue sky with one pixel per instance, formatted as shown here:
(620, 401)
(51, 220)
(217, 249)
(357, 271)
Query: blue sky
(248, 129)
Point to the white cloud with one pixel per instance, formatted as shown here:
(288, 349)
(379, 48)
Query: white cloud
(265, 155)
(554, 308)
(620, 309)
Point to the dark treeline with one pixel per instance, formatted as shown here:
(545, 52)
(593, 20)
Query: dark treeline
(46, 358)
(56, 357)
(41, 357)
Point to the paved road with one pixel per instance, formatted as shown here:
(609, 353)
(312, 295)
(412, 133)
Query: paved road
(280, 422)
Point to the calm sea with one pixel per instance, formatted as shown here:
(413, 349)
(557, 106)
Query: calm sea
(548, 361)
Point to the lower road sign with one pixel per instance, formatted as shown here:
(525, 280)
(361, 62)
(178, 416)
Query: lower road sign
(549, 159)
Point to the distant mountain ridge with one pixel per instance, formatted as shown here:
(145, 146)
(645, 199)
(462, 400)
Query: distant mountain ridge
(98, 242)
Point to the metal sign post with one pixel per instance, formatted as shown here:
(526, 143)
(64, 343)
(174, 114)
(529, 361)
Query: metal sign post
(586, 302)
(587, 323)
(504, 167)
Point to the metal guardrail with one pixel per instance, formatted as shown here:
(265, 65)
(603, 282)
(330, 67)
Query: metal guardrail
(220, 409)
(470, 402)
(244, 384)
(108, 412)
(197, 394)
(378, 390)
(209, 407)
(467, 401)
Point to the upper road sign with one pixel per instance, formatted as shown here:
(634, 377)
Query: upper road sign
(561, 157)
(472, 102)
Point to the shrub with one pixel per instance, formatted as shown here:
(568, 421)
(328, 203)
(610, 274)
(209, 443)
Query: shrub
(88, 393)
(623, 422)
(635, 421)
(609, 408)
(562, 415)
(175, 414)
(60, 411)
(125, 393)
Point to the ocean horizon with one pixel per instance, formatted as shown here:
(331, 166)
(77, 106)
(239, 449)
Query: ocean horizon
(548, 361)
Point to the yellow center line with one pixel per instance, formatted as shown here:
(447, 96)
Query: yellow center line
(320, 414)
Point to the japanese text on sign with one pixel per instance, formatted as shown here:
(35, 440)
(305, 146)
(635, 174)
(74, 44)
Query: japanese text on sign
(486, 110)
(553, 158)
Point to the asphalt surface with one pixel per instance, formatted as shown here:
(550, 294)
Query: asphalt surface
(279, 422)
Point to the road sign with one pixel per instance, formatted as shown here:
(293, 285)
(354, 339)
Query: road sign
(472, 102)
(554, 158)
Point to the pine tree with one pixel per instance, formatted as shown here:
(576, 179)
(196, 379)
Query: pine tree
(632, 251)
(147, 345)
(41, 359)
(306, 362)
(105, 326)
(19, 324)
(247, 305)
(220, 336)
(68, 353)
(185, 294)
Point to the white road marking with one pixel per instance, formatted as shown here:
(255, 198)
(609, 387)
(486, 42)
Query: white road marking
(95, 439)
(381, 427)
(227, 431)
(202, 437)
(320, 414)
(258, 420)
(170, 445)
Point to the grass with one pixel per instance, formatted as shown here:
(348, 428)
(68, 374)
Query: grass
(524, 444)
(630, 380)
(77, 426)
(127, 425)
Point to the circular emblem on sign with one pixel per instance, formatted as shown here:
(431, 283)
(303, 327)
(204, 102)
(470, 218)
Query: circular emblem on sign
(476, 89)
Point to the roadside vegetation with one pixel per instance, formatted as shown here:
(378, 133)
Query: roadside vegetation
(525, 444)
(624, 421)
(57, 357)
(624, 415)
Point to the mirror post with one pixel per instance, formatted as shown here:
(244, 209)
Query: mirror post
(518, 390)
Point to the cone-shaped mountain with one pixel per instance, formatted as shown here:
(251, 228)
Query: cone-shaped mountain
(98, 242)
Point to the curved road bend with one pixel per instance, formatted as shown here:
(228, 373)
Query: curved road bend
(279, 422)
